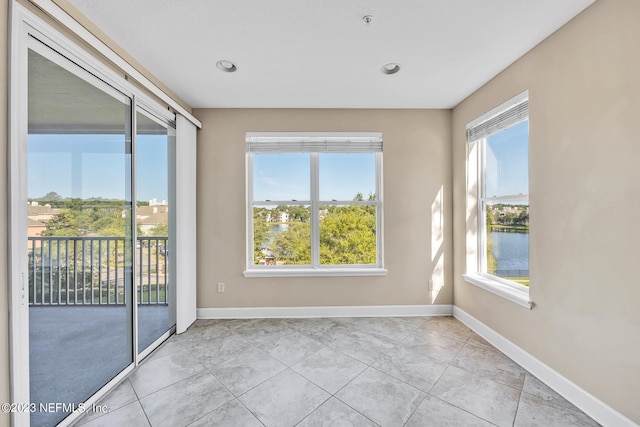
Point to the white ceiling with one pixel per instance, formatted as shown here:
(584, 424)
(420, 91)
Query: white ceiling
(320, 54)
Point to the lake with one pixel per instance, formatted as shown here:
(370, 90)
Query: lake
(511, 251)
(279, 228)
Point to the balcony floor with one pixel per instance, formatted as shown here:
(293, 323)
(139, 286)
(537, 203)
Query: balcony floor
(347, 371)
(75, 350)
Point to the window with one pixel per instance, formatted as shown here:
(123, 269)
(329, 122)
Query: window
(314, 204)
(500, 141)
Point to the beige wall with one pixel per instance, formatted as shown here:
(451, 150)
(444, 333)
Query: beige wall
(4, 274)
(584, 88)
(417, 174)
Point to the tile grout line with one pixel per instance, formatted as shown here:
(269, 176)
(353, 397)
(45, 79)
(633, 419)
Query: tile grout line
(314, 410)
(349, 327)
(464, 410)
(515, 415)
(417, 406)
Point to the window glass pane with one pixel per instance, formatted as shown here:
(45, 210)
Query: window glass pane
(155, 309)
(347, 234)
(281, 176)
(281, 235)
(507, 161)
(347, 176)
(508, 240)
(79, 269)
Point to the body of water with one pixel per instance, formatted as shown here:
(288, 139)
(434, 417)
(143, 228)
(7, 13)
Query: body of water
(511, 251)
(279, 228)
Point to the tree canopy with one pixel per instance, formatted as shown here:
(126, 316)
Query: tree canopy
(72, 222)
(347, 235)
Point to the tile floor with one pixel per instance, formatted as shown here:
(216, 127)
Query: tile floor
(420, 371)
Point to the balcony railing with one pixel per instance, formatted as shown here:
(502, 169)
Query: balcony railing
(93, 270)
(512, 273)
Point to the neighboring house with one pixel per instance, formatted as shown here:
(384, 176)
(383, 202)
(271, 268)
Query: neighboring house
(37, 219)
(151, 221)
(35, 227)
(154, 207)
(152, 215)
(278, 217)
(41, 213)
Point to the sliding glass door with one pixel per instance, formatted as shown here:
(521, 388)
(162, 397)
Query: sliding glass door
(100, 225)
(80, 233)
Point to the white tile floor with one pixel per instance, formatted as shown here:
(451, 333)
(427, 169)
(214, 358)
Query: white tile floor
(333, 372)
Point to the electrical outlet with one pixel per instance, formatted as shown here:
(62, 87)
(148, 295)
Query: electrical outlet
(430, 284)
(220, 287)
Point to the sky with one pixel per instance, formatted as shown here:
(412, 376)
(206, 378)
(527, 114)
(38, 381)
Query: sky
(95, 166)
(286, 177)
(507, 168)
(100, 162)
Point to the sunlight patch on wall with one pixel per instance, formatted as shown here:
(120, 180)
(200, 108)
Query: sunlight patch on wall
(437, 278)
(437, 224)
(437, 244)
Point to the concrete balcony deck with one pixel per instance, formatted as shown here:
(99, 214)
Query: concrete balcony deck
(75, 350)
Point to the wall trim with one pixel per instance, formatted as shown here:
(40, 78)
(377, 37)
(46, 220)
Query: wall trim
(325, 311)
(589, 404)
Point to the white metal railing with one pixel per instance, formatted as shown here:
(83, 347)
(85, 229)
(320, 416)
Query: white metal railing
(93, 270)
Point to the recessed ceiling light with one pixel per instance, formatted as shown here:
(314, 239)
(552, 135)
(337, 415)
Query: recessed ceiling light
(226, 66)
(390, 68)
(367, 19)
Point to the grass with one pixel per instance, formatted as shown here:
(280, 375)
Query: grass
(145, 295)
(521, 280)
(514, 228)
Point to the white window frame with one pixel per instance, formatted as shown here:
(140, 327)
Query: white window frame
(314, 144)
(504, 116)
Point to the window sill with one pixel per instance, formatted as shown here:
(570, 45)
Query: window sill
(511, 293)
(314, 272)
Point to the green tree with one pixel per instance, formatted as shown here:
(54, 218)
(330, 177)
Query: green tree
(113, 226)
(298, 213)
(80, 222)
(293, 245)
(160, 230)
(348, 236)
(492, 263)
(261, 233)
(65, 223)
(522, 218)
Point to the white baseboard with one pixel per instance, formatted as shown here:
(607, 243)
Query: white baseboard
(331, 311)
(589, 404)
